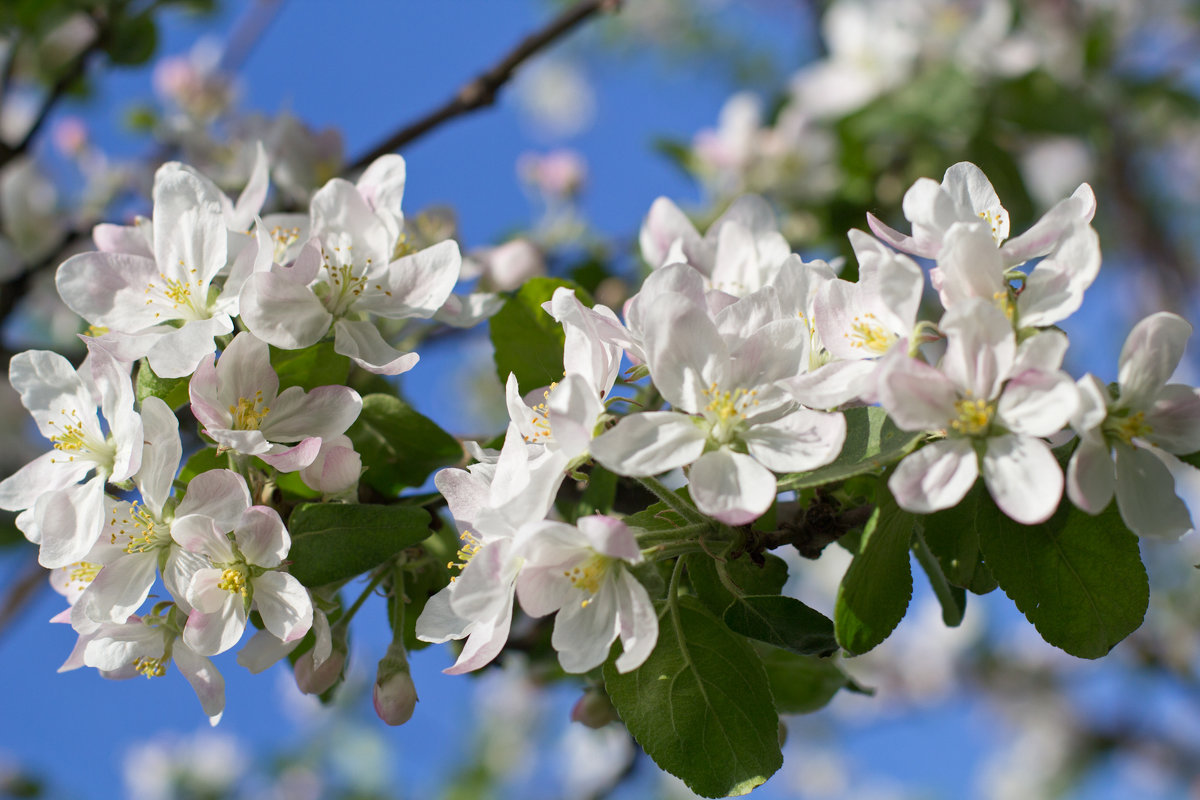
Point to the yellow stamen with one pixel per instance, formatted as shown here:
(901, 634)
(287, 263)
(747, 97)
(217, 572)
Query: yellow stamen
(247, 414)
(470, 546)
(150, 667)
(233, 580)
(974, 416)
(867, 334)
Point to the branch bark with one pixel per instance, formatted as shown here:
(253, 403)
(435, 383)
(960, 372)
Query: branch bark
(482, 91)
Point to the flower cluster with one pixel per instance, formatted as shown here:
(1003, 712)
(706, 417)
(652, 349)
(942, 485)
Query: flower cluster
(108, 506)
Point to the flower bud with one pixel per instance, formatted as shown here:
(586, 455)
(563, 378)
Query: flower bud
(316, 680)
(594, 709)
(395, 695)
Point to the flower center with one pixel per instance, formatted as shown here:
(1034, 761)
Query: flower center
(177, 293)
(993, 219)
(150, 667)
(867, 334)
(344, 281)
(974, 416)
(588, 575)
(1128, 428)
(82, 573)
(143, 537)
(248, 414)
(233, 580)
(74, 438)
(726, 410)
(541, 418)
(283, 238)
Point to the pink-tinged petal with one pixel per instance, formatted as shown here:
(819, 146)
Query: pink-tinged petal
(160, 454)
(284, 604)
(48, 473)
(835, 384)
(772, 353)
(251, 200)
(583, 634)
(636, 622)
(467, 311)
(676, 278)
(935, 477)
(899, 240)
(1054, 290)
(1093, 404)
(326, 412)
(69, 522)
(382, 186)
(362, 343)
(109, 290)
(282, 311)
(916, 396)
(244, 370)
(1023, 477)
(120, 588)
(197, 533)
(731, 487)
(1146, 495)
(219, 630)
(664, 226)
(685, 353)
(205, 681)
(208, 406)
(610, 536)
(264, 650)
(1041, 238)
(543, 590)
(1174, 419)
(972, 192)
(1038, 403)
(416, 285)
(486, 639)
(969, 265)
(650, 443)
(931, 211)
(1091, 478)
(220, 494)
(251, 443)
(116, 645)
(465, 494)
(261, 536)
(799, 442)
(292, 459)
(336, 468)
(981, 350)
(1151, 353)
(438, 623)
(176, 352)
(132, 240)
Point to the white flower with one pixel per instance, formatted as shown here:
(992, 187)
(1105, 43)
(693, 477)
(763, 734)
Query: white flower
(60, 514)
(978, 399)
(1124, 442)
(580, 572)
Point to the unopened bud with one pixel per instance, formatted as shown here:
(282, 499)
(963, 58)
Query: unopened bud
(395, 694)
(594, 709)
(316, 680)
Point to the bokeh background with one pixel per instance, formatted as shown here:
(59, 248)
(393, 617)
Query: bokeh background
(829, 109)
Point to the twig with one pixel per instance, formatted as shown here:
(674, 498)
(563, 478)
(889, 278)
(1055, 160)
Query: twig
(21, 592)
(248, 33)
(482, 90)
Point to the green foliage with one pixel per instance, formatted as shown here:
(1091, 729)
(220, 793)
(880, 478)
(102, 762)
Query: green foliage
(131, 39)
(527, 341)
(310, 367)
(783, 622)
(172, 391)
(872, 441)
(877, 586)
(701, 704)
(1079, 579)
(334, 542)
(953, 539)
(802, 684)
(398, 446)
(201, 461)
(749, 578)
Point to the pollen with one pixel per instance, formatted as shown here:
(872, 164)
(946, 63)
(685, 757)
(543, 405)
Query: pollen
(867, 334)
(727, 405)
(233, 580)
(974, 416)
(588, 576)
(541, 418)
(249, 412)
(150, 667)
(1129, 428)
(466, 551)
(82, 573)
(143, 537)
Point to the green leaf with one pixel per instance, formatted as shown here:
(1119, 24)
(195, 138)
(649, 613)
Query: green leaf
(527, 341)
(172, 391)
(701, 705)
(398, 446)
(310, 367)
(202, 461)
(782, 622)
(132, 40)
(753, 579)
(802, 684)
(333, 542)
(952, 537)
(1079, 579)
(877, 586)
(872, 441)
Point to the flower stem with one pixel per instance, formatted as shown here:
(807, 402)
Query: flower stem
(672, 500)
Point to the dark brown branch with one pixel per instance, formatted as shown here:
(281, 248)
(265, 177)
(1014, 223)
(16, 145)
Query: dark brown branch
(816, 527)
(21, 592)
(482, 90)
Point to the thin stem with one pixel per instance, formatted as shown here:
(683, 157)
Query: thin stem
(672, 500)
(682, 533)
(482, 90)
(952, 609)
(398, 604)
(362, 598)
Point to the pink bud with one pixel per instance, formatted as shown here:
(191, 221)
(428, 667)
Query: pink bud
(395, 695)
(594, 709)
(315, 680)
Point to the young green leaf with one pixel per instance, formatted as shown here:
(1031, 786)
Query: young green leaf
(877, 586)
(783, 622)
(310, 367)
(701, 705)
(1079, 579)
(332, 542)
(528, 342)
(802, 684)
(398, 446)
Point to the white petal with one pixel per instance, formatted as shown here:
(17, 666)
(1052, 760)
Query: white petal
(1023, 477)
(799, 442)
(650, 443)
(284, 604)
(731, 487)
(935, 477)
(1146, 495)
(1091, 478)
(362, 342)
(1151, 353)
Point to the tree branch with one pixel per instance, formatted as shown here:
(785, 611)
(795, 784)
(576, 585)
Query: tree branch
(20, 592)
(482, 90)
